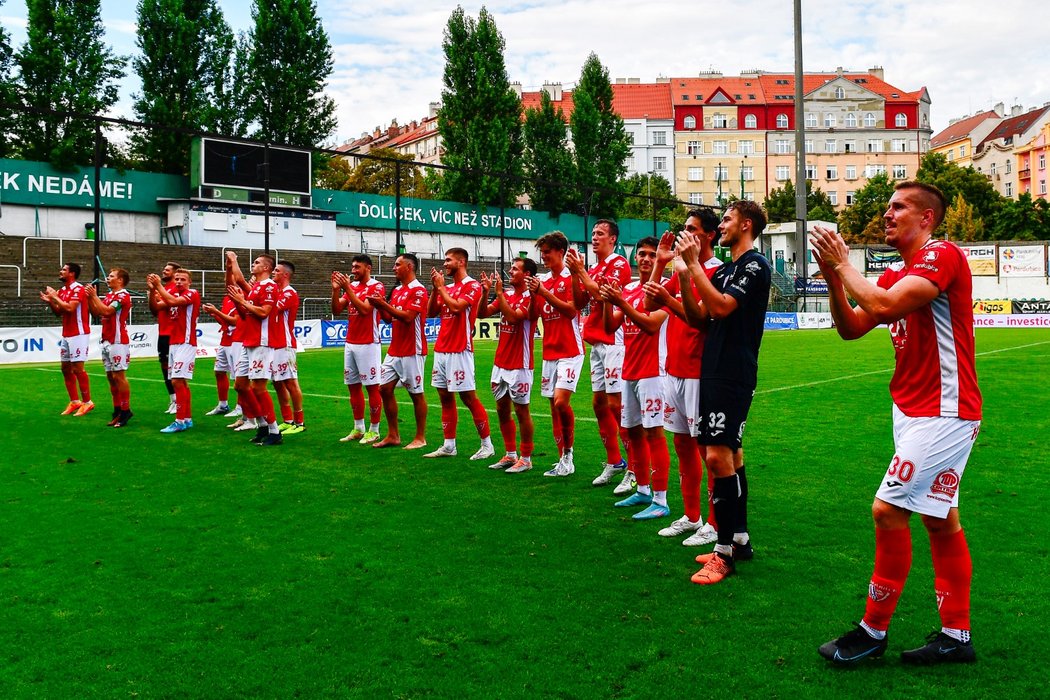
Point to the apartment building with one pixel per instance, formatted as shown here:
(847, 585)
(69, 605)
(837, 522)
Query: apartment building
(957, 142)
(1031, 164)
(995, 154)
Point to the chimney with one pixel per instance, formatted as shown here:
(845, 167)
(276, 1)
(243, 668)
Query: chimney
(999, 109)
(1016, 110)
(413, 125)
(516, 87)
(434, 107)
(839, 71)
(878, 72)
(554, 90)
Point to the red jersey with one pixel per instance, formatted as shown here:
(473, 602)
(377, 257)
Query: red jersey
(183, 319)
(262, 332)
(77, 321)
(934, 345)
(363, 329)
(455, 334)
(163, 317)
(115, 326)
(409, 338)
(287, 307)
(644, 354)
(561, 334)
(688, 342)
(614, 267)
(514, 350)
(227, 330)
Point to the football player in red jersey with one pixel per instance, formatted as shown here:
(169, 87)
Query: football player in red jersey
(285, 367)
(167, 276)
(115, 310)
(926, 300)
(453, 373)
(66, 303)
(407, 353)
(512, 368)
(183, 306)
(226, 354)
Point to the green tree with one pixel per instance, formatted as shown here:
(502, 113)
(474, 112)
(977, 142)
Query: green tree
(549, 168)
(187, 48)
(639, 206)
(286, 63)
(780, 204)
(961, 222)
(64, 67)
(8, 95)
(375, 176)
(869, 204)
(1022, 219)
(952, 180)
(599, 140)
(480, 115)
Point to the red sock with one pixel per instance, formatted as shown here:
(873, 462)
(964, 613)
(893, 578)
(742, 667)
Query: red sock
(84, 383)
(286, 412)
(568, 426)
(114, 391)
(608, 430)
(222, 386)
(661, 460)
(248, 403)
(480, 416)
(892, 563)
(449, 418)
(375, 404)
(626, 440)
(510, 436)
(643, 462)
(526, 448)
(71, 385)
(182, 402)
(689, 467)
(952, 571)
(711, 518)
(559, 432)
(298, 417)
(266, 406)
(125, 399)
(357, 401)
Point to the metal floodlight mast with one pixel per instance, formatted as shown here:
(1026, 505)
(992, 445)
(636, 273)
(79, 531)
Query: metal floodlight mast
(800, 155)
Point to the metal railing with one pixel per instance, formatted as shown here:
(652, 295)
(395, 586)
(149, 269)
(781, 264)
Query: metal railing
(18, 271)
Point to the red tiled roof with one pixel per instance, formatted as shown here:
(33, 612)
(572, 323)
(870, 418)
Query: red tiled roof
(1014, 125)
(630, 101)
(410, 135)
(694, 91)
(961, 128)
(766, 87)
(531, 100)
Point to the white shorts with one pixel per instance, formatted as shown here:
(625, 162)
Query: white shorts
(255, 363)
(408, 371)
(74, 348)
(560, 374)
(115, 357)
(284, 365)
(361, 363)
(181, 358)
(453, 371)
(606, 366)
(226, 357)
(930, 458)
(681, 405)
(643, 403)
(516, 382)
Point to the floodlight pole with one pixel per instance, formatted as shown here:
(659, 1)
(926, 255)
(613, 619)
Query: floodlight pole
(98, 200)
(800, 155)
(266, 197)
(397, 208)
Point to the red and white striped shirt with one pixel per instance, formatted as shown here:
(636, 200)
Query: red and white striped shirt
(455, 334)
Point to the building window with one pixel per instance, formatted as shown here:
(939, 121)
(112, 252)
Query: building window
(659, 138)
(901, 146)
(873, 170)
(851, 120)
(901, 120)
(832, 172)
(745, 147)
(750, 122)
(782, 121)
(849, 146)
(721, 173)
(695, 174)
(849, 199)
(783, 172)
(721, 147)
(630, 163)
(962, 151)
(840, 93)
(747, 173)
(1042, 187)
(694, 148)
(874, 146)
(689, 122)
(719, 121)
(833, 197)
(1009, 189)
(900, 172)
(811, 172)
(830, 146)
(782, 146)
(991, 167)
(696, 197)
(811, 120)
(1042, 161)
(1009, 166)
(809, 146)
(851, 172)
(830, 120)
(660, 163)
(951, 154)
(869, 119)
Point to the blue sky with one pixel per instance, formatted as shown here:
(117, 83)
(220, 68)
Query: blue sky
(969, 54)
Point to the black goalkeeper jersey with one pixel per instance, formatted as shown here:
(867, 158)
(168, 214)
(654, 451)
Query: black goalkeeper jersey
(731, 348)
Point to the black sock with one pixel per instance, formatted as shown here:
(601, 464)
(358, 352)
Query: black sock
(741, 510)
(726, 494)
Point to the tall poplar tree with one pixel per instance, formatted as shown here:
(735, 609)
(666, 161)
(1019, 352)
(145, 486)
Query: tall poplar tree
(599, 140)
(8, 96)
(287, 62)
(63, 67)
(480, 115)
(549, 168)
(187, 50)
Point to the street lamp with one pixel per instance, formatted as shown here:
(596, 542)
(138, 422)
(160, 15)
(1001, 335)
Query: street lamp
(718, 179)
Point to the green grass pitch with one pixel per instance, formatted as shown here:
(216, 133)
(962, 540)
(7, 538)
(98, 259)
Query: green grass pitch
(136, 564)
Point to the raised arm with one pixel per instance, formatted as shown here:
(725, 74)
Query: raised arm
(718, 304)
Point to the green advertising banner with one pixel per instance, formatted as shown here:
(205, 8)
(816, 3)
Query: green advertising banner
(38, 184)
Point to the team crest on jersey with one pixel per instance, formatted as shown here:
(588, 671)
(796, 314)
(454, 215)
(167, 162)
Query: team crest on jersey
(946, 483)
(930, 256)
(898, 334)
(752, 266)
(878, 593)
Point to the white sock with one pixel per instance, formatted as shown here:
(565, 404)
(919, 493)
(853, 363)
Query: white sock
(273, 428)
(527, 460)
(957, 634)
(741, 538)
(872, 632)
(512, 455)
(171, 396)
(486, 441)
(359, 425)
(450, 443)
(644, 490)
(373, 428)
(223, 404)
(660, 498)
